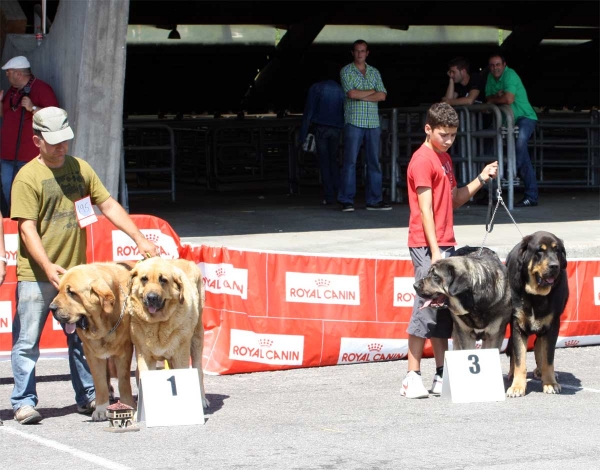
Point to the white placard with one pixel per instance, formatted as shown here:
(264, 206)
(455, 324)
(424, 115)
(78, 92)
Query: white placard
(85, 212)
(473, 375)
(170, 397)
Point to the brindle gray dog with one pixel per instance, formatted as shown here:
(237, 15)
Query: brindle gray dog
(474, 287)
(540, 290)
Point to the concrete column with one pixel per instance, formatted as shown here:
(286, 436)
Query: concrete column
(83, 59)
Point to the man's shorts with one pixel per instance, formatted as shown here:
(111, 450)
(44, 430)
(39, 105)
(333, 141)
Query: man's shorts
(428, 322)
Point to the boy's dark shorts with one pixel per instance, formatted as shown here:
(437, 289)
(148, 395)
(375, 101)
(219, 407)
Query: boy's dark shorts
(428, 322)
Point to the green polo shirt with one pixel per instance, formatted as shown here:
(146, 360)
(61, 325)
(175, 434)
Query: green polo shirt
(360, 113)
(510, 81)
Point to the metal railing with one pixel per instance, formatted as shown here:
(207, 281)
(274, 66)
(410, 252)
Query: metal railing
(148, 149)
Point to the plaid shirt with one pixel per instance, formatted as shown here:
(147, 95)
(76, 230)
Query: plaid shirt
(360, 113)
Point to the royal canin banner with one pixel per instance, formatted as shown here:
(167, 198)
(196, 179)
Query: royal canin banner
(270, 311)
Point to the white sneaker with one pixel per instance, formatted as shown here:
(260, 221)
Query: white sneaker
(412, 386)
(438, 382)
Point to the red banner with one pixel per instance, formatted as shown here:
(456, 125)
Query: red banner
(270, 311)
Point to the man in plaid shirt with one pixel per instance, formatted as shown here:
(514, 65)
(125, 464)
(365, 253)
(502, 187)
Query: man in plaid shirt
(364, 89)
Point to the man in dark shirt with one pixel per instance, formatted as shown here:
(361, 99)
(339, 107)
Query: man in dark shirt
(463, 88)
(324, 115)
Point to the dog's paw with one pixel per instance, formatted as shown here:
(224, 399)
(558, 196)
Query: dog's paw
(552, 388)
(205, 402)
(515, 391)
(99, 413)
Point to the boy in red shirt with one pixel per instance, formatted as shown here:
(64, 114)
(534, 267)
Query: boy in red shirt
(432, 196)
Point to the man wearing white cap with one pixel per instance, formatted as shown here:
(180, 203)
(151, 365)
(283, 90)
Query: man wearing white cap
(26, 95)
(51, 241)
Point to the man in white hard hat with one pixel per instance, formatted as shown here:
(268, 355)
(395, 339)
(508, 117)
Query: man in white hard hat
(52, 239)
(25, 96)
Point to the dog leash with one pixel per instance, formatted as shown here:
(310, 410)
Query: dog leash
(122, 312)
(489, 221)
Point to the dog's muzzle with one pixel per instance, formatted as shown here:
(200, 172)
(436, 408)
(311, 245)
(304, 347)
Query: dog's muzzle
(154, 302)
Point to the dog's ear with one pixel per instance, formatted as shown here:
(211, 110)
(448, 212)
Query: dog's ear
(178, 281)
(100, 288)
(132, 275)
(523, 254)
(562, 254)
(458, 281)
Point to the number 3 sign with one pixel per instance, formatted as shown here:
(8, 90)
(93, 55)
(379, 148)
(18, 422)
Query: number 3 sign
(473, 375)
(170, 397)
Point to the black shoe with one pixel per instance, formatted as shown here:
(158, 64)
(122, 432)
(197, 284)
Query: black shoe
(380, 206)
(347, 207)
(526, 203)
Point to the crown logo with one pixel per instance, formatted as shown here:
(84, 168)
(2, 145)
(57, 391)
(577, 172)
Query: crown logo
(322, 282)
(220, 272)
(152, 237)
(265, 342)
(571, 342)
(375, 347)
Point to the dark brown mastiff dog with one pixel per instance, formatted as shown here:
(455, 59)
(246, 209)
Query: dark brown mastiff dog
(539, 288)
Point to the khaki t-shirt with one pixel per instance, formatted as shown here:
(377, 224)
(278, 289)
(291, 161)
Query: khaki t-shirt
(47, 195)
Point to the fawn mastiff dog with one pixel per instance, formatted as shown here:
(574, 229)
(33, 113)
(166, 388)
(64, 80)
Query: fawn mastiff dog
(91, 302)
(165, 304)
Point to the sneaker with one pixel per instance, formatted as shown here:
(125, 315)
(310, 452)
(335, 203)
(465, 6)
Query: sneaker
(87, 409)
(380, 206)
(347, 207)
(412, 386)
(436, 387)
(27, 415)
(526, 203)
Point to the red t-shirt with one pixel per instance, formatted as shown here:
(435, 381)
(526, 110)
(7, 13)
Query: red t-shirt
(430, 169)
(42, 96)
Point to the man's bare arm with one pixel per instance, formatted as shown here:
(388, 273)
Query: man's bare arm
(502, 97)
(465, 100)
(425, 198)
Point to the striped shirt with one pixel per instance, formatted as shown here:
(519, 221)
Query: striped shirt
(360, 113)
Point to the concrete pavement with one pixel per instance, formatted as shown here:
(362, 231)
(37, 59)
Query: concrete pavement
(273, 220)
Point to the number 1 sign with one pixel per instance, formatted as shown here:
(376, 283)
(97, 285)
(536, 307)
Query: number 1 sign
(473, 375)
(170, 397)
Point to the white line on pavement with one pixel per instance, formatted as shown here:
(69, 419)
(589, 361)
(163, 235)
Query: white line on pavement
(69, 450)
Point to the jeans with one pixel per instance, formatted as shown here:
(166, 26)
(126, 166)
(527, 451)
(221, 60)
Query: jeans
(524, 166)
(33, 301)
(328, 143)
(6, 171)
(353, 138)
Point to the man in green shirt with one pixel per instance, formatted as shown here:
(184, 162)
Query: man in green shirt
(504, 86)
(52, 240)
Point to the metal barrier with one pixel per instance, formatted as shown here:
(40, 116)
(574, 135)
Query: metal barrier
(147, 149)
(403, 133)
(232, 151)
(568, 143)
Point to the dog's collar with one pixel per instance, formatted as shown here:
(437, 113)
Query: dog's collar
(122, 312)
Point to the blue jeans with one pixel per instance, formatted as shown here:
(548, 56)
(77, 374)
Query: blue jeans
(353, 139)
(33, 301)
(328, 143)
(6, 171)
(524, 166)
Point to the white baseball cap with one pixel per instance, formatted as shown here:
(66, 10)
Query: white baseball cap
(52, 122)
(19, 62)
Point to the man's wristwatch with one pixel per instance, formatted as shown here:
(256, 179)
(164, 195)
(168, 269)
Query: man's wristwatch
(3, 258)
(481, 180)
(34, 109)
